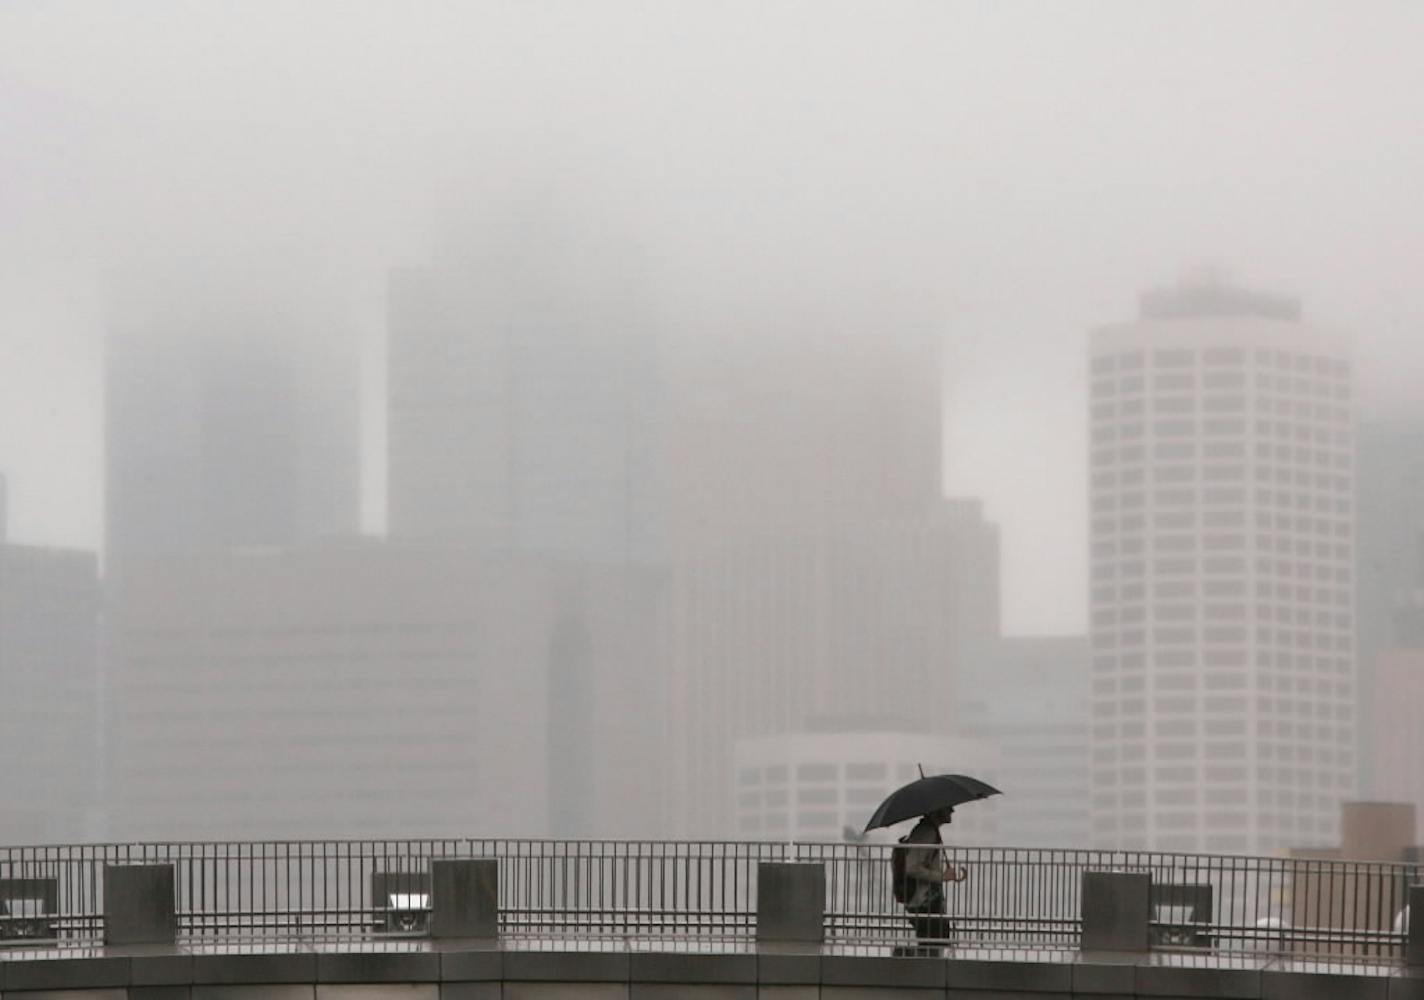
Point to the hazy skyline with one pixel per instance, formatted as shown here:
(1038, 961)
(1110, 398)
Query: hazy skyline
(1025, 169)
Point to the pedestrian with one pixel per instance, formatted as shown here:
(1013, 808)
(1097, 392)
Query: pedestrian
(926, 871)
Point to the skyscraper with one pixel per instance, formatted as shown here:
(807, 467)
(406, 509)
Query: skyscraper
(231, 415)
(1222, 559)
(819, 572)
(522, 388)
(1390, 570)
(49, 691)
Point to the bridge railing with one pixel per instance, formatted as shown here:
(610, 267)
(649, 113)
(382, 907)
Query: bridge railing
(706, 889)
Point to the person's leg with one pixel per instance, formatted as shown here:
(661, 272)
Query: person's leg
(929, 927)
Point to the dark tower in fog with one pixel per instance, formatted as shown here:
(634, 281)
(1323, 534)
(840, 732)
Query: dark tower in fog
(231, 416)
(522, 395)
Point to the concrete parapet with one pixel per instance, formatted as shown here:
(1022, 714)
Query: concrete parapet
(791, 901)
(371, 967)
(138, 904)
(672, 967)
(566, 966)
(245, 969)
(1186, 975)
(1116, 911)
(1011, 978)
(642, 971)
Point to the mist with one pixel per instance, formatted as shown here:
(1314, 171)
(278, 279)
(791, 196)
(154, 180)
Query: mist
(673, 377)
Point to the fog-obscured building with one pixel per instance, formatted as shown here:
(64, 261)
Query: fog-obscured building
(776, 629)
(1028, 696)
(231, 413)
(49, 693)
(818, 571)
(823, 783)
(1222, 562)
(1396, 739)
(523, 396)
(366, 689)
(1390, 580)
(816, 412)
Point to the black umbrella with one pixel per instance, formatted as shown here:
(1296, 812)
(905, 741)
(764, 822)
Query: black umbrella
(918, 798)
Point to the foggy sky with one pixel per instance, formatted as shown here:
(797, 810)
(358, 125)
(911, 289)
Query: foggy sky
(1023, 169)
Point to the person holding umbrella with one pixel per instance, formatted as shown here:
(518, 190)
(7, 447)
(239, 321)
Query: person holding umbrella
(926, 871)
(920, 871)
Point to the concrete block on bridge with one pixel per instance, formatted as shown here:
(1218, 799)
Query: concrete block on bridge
(139, 904)
(1116, 911)
(464, 898)
(791, 901)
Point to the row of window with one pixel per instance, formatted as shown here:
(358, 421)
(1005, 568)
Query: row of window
(1136, 614)
(1317, 776)
(1223, 635)
(1262, 542)
(1265, 382)
(1296, 594)
(1105, 522)
(1182, 717)
(1107, 569)
(779, 773)
(1134, 683)
(1323, 482)
(1104, 411)
(1279, 671)
(1171, 459)
(863, 795)
(1215, 496)
(1176, 704)
(1107, 454)
(1337, 438)
(1264, 357)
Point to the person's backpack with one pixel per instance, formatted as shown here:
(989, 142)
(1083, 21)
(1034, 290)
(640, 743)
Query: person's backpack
(898, 883)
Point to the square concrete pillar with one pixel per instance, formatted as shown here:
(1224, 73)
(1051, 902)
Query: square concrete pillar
(464, 898)
(791, 901)
(138, 904)
(1414, 943)
(1116, 911)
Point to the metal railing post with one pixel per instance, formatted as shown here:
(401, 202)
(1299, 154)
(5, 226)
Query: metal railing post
(791, 901)
(138, 904)
(1116, 911)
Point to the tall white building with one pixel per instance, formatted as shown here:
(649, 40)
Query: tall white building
(1222, 558)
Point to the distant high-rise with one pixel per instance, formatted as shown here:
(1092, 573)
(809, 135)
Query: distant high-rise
(373, 688)
(523, 397)
(49, 691)
(818, 569)
(1389, 564)
(232, 416)
(1222, 560)
(1029, 696)
(814, 415)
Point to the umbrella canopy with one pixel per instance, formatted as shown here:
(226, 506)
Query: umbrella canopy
(938, 791)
